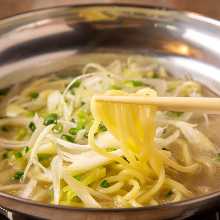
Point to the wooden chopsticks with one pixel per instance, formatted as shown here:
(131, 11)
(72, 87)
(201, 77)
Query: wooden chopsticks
(182, 104)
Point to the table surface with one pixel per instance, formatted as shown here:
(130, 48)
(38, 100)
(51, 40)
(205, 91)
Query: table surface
(210, 8)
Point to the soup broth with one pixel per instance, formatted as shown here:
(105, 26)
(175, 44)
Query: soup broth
(56, 147)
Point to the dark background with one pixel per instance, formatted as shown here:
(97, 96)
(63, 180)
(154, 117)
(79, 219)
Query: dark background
(210, 8)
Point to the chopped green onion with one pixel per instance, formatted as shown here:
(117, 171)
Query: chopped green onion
(42, 157)
(27, 149)
(104, 184)
(34, 95)
(74, 131)
(110, 149)
(168, 193)
(51, 119)
(18, 154)
(67, 137)
(81, 123)
(45, 159)
(116, 87)
(4, 91)
(174, 114)
(83, 119)
(58, 128)
(76, 84)
(32, 126)
(81, 114)
(18, 175)
(102, 128)
(77, 177)
(30, 114)
(135, 83)
(21, 133)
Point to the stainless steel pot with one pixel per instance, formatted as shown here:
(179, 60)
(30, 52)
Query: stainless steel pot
(62, 39)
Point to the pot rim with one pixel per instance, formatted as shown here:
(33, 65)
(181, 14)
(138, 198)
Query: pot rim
(193, 16)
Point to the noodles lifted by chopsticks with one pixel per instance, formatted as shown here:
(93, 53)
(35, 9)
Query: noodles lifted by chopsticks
(134, 126)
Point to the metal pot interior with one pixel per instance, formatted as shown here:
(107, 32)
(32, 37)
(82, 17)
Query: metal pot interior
(62, 40)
